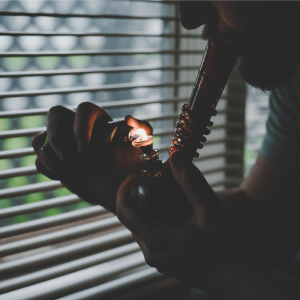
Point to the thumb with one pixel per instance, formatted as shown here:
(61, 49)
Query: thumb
(190, 179)
(136, 124)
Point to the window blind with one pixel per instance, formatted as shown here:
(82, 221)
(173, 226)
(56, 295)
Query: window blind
(130, 57)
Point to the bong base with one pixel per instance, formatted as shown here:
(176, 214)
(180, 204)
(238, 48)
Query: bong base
(156, 192)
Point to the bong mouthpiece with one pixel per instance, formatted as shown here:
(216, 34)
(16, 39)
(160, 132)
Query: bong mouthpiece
(215, 69)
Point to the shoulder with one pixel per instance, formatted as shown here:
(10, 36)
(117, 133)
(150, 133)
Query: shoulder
(282, 141)
(285, 100)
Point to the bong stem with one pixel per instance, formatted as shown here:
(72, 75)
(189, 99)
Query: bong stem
(215, 68)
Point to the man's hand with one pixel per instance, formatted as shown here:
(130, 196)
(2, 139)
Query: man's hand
(205, 250)
(93, 173)
(208, 251)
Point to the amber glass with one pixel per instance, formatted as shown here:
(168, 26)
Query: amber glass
(152, 190)
(155, 190)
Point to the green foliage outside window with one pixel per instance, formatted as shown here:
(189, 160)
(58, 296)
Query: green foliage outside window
(27, 161)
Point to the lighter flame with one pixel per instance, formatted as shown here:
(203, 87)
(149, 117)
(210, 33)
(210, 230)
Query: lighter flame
(140, 135)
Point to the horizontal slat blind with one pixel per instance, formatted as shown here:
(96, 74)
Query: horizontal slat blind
(63, 252)
(78, 280)
(130, 57)
(37, 206)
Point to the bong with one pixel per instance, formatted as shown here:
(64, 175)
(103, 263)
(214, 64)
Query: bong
(154, 190)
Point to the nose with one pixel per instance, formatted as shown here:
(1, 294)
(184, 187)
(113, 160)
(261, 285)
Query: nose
(196, 13)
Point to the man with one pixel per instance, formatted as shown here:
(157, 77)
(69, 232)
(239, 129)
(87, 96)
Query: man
(245, 248)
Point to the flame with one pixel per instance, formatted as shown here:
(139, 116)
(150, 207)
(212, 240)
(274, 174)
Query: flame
(140, 135)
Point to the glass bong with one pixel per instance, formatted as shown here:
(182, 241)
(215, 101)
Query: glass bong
(154, 190)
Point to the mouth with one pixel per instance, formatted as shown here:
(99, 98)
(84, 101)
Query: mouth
(230, 37)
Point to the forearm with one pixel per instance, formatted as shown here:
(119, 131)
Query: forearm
(270, 232)
(237, 201)
(245, 211)
(260, 282)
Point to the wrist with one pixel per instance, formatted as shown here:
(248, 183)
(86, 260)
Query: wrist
(252, 279)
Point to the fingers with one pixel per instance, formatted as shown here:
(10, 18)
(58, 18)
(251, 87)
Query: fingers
(45, 171)
(60, 130)
(70, 132)
(48, 163)
(86, 115)
(137, 222)
(155, 238)
(39, 140)
(189, 178)
(61, 157)
(136, 124)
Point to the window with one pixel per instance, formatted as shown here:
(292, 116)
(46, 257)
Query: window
(131, 57)
(256, 118)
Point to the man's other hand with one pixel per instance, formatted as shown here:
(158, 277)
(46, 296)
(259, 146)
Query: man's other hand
(205, 250)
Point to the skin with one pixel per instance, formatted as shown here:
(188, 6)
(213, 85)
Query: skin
(238, 244)
(209, 251)
(90, 172)
(194, 14)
